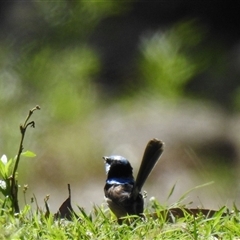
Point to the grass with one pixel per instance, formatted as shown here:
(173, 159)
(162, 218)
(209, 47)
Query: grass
(101, 224)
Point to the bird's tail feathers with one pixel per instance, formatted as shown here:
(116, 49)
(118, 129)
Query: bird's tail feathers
(152, 153)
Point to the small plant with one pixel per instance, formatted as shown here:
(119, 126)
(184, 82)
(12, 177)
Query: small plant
(8, 169)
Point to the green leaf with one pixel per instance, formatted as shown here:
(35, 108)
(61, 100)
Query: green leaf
(8, 168)
(2, 169)
(171, 191)
(28, 154)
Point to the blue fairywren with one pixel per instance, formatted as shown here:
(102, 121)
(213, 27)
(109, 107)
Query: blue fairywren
(122, 192)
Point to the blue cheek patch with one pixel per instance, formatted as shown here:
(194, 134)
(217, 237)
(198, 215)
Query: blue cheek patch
(120, 181)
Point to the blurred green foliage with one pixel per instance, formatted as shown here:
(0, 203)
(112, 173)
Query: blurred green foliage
(166, 63)
(56, 66)
(68, 22)
(62, 80)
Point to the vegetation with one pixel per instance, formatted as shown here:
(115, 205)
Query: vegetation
(102, 72)
(158, 222)
(102, 225)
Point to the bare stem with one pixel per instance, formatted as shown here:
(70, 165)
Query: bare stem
(14, 185)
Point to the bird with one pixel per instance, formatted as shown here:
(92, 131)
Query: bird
(122, 192)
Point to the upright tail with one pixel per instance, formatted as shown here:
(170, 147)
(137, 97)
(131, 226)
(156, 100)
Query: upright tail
(153, 151)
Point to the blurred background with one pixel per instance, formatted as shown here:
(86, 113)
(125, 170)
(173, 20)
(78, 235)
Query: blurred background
(111, 75)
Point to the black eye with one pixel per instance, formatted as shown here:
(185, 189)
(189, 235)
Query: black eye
(109, 160)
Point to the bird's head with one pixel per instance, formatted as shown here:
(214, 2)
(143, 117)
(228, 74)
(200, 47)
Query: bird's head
(117, 167)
